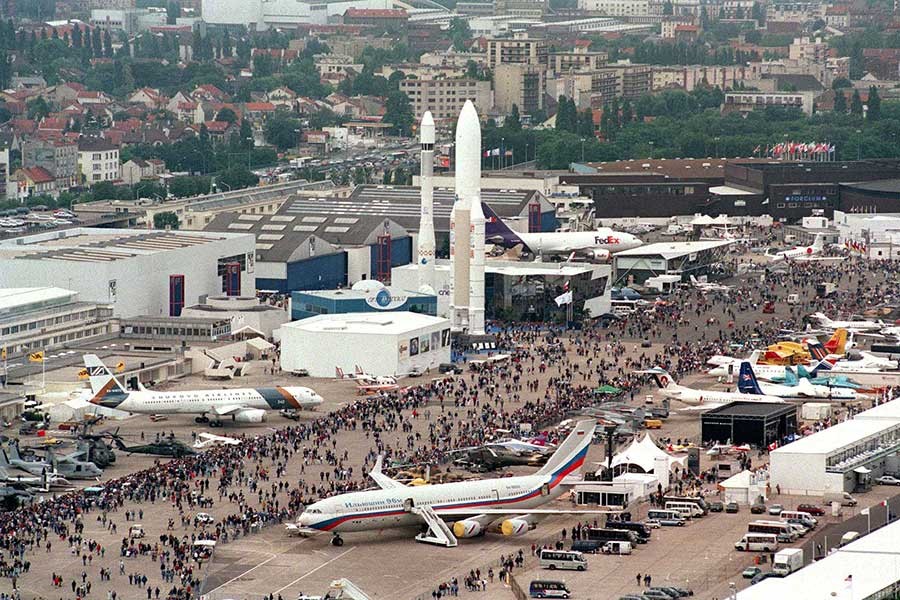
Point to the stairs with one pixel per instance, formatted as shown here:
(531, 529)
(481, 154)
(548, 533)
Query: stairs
(438, 532)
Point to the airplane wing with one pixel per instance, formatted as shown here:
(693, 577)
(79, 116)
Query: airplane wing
(383, 481)
(229, 409)
(701, 407)
(444, 512)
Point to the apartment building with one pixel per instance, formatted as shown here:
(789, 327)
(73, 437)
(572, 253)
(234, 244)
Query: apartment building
(446, 97)
(519, 84)
(519, 49)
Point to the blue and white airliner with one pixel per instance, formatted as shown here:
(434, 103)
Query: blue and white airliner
(471, 506)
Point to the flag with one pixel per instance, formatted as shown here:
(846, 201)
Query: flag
(41, 432)
(36, 356)
(120, 367)
(884, 503)
(83, 374)
(495, 152)
(864, 511)
(773, 445)
(757, 149)
(564, 298)
(487, 153)
(566, 286)
(3, 353)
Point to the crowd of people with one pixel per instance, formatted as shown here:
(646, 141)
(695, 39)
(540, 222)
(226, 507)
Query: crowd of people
(269, 478)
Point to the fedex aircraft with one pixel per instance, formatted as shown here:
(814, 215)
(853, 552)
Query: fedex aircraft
(700, 399)
(801, 252)
(597, 245)
(242, 405)
(472, 506)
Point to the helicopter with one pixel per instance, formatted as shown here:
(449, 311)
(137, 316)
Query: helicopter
(168, 446)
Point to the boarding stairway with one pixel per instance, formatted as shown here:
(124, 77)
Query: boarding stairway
(438, 533)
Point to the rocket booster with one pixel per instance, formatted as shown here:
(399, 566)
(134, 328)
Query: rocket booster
(426, 245)
(468, 173)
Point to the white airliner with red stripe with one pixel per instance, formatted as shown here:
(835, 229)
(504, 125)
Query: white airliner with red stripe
(472, 506)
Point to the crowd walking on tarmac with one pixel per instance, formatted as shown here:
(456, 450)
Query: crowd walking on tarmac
(269, 478)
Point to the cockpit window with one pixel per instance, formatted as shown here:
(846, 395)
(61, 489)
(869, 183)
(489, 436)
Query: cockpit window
(314, 511)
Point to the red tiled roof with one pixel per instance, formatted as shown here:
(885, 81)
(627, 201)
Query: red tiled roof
(217, 126)
(259, 106)
(39, 174)
(48, 123)
(376, 13)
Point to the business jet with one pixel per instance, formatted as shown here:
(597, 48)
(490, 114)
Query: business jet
(207, 439)
(704, 286)
(800, 252)
(748, 384)
(472, 506)
(700, 399)
(242, 405)
(366, 378)
(851, 326)
(726, 365)
(596, 245)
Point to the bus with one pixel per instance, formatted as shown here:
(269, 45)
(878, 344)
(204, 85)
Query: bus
(757, 542)
(700, 502)
(642, 531)
(612, 535)
(688, 509)
(799, 516)
(562, 559)
(785, 532)
(664, 515)
(549, 589)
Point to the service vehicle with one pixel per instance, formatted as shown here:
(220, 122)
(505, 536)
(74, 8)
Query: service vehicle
(562, 559)
(844, 498)
(787, 561)
(541, 588)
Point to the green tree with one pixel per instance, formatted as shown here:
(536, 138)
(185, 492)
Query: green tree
(874, 105)
(237, 178)
(856, 105)
(841, 82)
(282, 131)
(37, 109)
(840, 102)
(263, 65)
(398, 111)
(165, 220)
(227, 115)
(512, 122)
(460, 34)
(173, 11)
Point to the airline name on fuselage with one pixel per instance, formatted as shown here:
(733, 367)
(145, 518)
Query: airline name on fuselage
(599, 239)
(372, 503)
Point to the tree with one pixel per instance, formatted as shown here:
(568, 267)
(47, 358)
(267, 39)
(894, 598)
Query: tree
(173, 11)
(246, 135)
(165, 220)
(107, 44)
(237, 178)
(263, 65)
(513, 122)
(856, 105)
(227, 115)
(282, 131)
(5, 70)
(460, 34)
(874, 105)
(398, 111)
(840, 83)
(37, 109)
(840, 102)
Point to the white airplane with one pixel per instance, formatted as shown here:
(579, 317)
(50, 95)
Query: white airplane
(472, 506)
(800, 252)
(851, 326)
(727, 365)
(700, 399)
(720, 449)
(368, 389)
(366, 378)
(703, 286)
(598, 245)
(748, 384)
(866, 362)
(208, 439)
(242, 405)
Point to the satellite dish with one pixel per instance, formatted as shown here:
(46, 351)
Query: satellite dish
(367, 285)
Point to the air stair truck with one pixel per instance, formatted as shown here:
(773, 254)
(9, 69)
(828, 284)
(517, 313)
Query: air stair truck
(787, 561)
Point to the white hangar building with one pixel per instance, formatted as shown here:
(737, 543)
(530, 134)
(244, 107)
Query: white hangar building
(380, 343)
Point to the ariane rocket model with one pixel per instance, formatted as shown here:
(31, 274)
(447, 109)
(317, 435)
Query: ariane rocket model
(426, 244)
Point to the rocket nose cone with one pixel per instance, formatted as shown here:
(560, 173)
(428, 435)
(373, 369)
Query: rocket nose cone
(427, 128)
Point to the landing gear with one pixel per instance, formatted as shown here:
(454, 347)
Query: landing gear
(201, 419)
(215, 423)
(337, 540)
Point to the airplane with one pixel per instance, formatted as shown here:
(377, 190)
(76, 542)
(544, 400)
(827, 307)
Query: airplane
(207, 439)
(165, 447)
(701, 399)
(720, 449)
(44, 482)
(368, 389)
(703, 286)
(842, 381)
(242, 405)
(490, 457)
(748, 384)
(472, 506)
(800, 252)
(863, 361)
(366, 378)
(597, 245)
(851, 326)
(71, 466)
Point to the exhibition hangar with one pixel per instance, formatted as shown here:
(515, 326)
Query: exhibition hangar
(382, 344)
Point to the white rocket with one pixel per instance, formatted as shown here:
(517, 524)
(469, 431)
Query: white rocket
(467, 228)
(426, 218)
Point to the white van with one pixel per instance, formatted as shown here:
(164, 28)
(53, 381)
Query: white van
(757, 542)
(562, 559)
(688, 509)
(848, 537)
(798, 515)
(616, 547)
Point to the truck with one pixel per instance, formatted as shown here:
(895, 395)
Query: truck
(787, 561)
(844, 498)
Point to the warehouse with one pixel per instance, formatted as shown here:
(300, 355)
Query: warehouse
(378, 299)
(382, 344)
(844, 457)
(755, 423)
(684, 259)
(524, 290)
(136, 272)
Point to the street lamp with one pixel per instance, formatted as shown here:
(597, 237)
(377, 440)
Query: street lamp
(858, 144)
(502, 151)
(582, 149)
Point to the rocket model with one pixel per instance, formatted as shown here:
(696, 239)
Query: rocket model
(426, 219)
(467, 228)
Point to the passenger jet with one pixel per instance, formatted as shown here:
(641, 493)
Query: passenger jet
(472, 506)
(700, 399)
(242, 405)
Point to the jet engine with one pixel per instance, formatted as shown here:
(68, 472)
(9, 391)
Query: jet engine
(467, 529)
(599, 255)
(518, 525)
(251, 415)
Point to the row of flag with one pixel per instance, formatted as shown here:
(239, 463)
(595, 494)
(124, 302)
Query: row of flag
(496, 152)
(797, 150)
(855, 246)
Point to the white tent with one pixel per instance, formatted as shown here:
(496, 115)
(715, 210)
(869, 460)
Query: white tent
(745, 487)
(643, 455)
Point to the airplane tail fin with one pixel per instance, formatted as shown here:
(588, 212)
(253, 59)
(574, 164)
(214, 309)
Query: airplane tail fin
(838, 342)
(790, 377)
(571, 453)
(817, 350)
(694, 280)
(819, 241)
(358, 370)
(105, 388)
(339, 372)
(822, 365)
(660, 376)
(747, 383)
(496, 231)
(754, 357)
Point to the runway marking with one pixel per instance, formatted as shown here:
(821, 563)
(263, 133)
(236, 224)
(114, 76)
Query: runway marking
(232, 580)
(324, 564)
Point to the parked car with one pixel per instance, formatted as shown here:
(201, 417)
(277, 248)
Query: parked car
(732, 507)
(760, 576)
(776, 509)
(816, 511)
(750, 572)
(716, 507)
(450, 368)
(653, 523)
(758, 508)
(887, 480)
(416, 372)
(204, 518)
